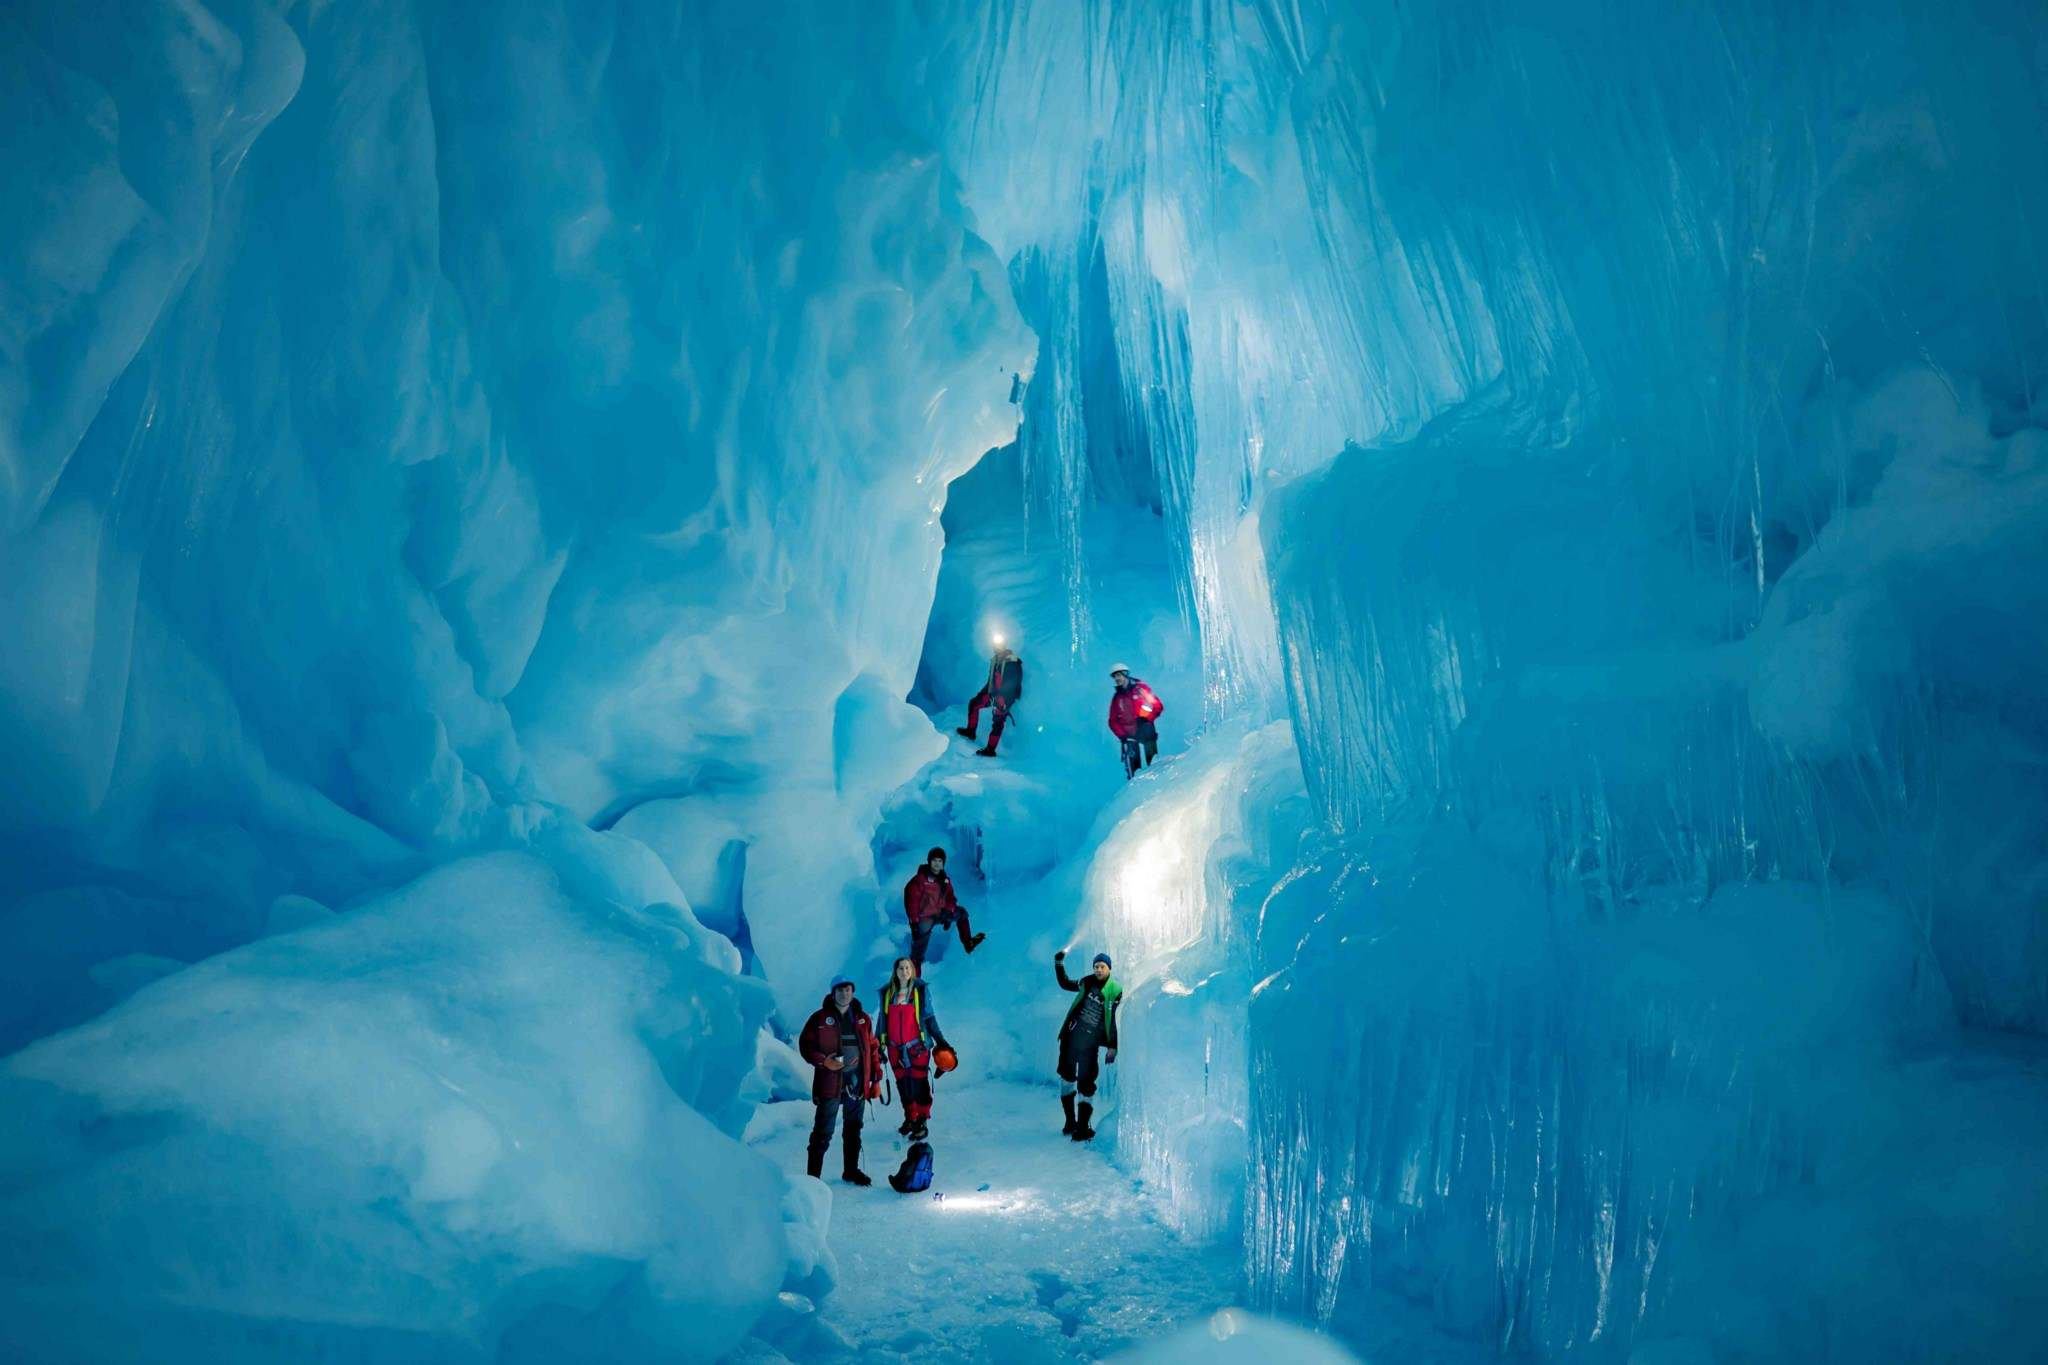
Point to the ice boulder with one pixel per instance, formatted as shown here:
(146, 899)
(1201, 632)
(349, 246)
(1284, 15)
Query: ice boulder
(448, 1125)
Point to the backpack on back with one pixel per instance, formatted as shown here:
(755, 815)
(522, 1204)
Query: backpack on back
(915, 1174)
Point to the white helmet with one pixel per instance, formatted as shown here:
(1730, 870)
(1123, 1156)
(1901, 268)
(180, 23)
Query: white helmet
(1115, 669)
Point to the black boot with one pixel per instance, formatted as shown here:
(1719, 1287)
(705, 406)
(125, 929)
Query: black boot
(1067, 1129)
(919, 1132)
(851, 1173)
(987, 751)
(814, 1166)
(904, 1127)
(967, 730)
(1082, 1132)
(974, 942)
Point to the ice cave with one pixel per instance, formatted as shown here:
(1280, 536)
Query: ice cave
(1458, 587)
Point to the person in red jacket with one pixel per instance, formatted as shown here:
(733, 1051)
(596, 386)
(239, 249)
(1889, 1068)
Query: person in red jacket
(911, 1038)
(1132, 709)
(928, 901)
(1003, 690)
(839, 1043)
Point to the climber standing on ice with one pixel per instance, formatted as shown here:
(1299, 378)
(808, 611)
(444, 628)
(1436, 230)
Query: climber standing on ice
(928, 901)
(1003, 690)
(910, 1035)
(1090, 1025)
(839, 1043)
(1132, 709)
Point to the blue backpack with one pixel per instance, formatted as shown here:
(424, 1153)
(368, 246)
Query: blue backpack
(915, 1174)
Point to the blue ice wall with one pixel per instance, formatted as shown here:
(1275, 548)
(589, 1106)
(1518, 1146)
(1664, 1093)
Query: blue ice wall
(426, 434)
(1635, 417)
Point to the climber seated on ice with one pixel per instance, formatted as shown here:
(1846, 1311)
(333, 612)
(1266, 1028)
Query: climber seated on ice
(911, 1037)
(1003, 690)
(1132, 709)
(1090, 1025)
(839, 1043)
(928, 901)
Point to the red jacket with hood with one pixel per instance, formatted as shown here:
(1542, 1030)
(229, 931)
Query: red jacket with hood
(820, 1040)
(1129, 705)
(929, 895)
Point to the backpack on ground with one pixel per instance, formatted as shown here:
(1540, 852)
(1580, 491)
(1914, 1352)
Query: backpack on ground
(915, 1174)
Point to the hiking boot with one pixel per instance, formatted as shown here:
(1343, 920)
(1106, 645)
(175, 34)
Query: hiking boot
(903, 1128)
(856, 1178)
(814, 1164)
(967, 730)
(918, 1131)
(985, 750)
(1082, 1132)
(1067, 1103)
(974, 942)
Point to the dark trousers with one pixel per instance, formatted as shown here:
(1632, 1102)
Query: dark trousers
(1080, 1063)
(1141, 748)
(983, 699)
(921, 933)
(851, 1109)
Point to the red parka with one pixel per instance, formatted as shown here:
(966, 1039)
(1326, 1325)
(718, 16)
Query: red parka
(1129, 705)
(820, 1040)
(928, 895)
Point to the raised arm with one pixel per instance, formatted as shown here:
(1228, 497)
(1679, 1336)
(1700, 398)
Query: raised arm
(1059, 971)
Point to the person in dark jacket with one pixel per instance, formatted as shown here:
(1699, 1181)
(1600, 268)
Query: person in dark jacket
(839, 1043)
(1003, 690)
(928, 902)
(1090, 1026)
(1132, 709)
(910, 1039)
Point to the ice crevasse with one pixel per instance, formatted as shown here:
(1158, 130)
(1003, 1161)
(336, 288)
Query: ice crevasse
(470, 517)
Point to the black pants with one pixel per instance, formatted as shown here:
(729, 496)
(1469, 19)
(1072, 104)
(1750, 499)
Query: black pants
(921, 933)
(1080, 1063)
(851, 1109)
(1141, 748)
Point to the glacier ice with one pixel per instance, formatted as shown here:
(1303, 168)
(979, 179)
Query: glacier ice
(498, 514)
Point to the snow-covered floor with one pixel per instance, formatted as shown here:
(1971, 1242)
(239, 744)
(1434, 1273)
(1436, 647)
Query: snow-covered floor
(1028, 1247)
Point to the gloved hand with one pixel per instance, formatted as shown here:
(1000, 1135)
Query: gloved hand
(1112, 1056)
(1060, 956)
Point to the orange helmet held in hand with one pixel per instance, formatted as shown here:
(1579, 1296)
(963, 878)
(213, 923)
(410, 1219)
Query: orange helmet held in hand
(943, 1060)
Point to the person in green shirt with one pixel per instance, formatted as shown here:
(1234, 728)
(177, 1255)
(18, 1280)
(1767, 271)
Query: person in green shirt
(1090, 1026)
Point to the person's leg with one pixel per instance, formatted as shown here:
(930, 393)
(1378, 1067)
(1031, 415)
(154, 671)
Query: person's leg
(855, 1109)
(821, 1135)
(1084, 1081)
(974, 705)
(903, 1079)
(969, 940)
(995, 730)
(1151, 749)
(920, 939)
(1129, 754)
(1066, 1075)
(916, 1090)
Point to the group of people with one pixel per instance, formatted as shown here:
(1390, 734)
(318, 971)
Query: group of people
(1133, 709)
(847, 1048)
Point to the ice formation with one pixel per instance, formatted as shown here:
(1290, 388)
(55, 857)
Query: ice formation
(499, 512)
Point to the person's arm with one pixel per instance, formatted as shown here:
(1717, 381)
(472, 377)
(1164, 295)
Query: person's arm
(806, 1045)
(1059, 971)
(930, 1021)
(1112, 717)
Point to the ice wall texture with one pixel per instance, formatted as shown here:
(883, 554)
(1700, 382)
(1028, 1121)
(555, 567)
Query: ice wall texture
(425, 433)
(1636, 417)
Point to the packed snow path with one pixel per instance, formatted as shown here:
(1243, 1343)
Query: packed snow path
(1028, 1247)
